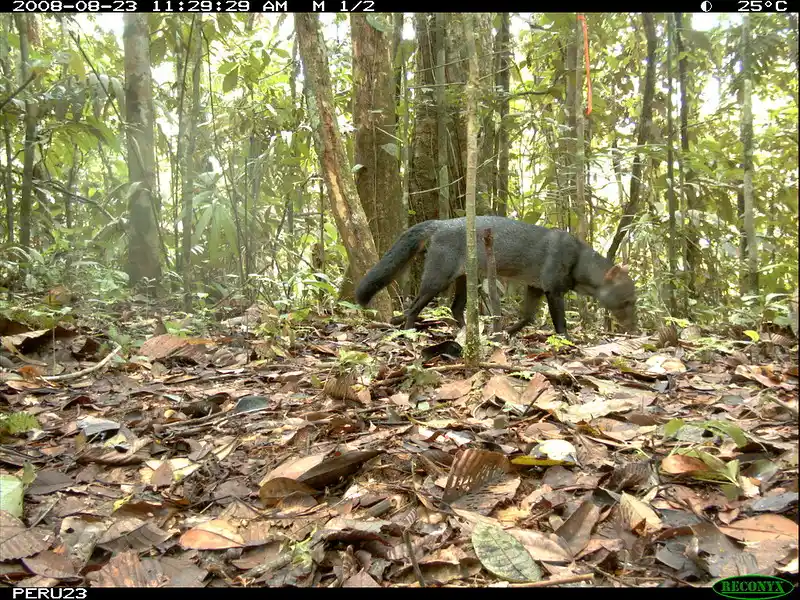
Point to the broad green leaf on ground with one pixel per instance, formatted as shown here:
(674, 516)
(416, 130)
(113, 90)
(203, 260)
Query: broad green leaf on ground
(504, 555)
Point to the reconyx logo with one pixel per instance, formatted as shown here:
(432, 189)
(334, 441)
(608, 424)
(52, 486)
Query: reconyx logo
(747, 587)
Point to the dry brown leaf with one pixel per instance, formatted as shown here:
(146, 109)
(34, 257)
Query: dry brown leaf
(762, 527)
(546, 547)
(212, 535)
(537, 385)
(473, 468)
(162, 346)
(136, 453)
(498, 357)
(500, 387)
(340, 387)
(174, 572)
(280, 487)
(334, 469)
(51, 564)
(362, 579)
(17, 541)
(162, 476)
(680, 464)
(662, 364)
(577, 529)
(123, 570)
(130, 533)
(763, 374)
(640, 517)
(293, 468)
(454, 390)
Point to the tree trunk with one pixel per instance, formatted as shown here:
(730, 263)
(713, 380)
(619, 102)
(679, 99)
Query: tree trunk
(472, 344)
(502, 80)
(456, 141)
(143, 255)
(747, 147)
(335, 166)
(8, 172)
(194, 57)
(423, 197)
(643, 127)
(486, 175)
(26, 195)
(441, 117)
(568, 138)
(398, 59)
(579, 201)
(376, 148)
(672, 244)
(691, 251)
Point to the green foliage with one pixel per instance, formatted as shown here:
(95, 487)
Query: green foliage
(673, 428)
(347, 359)
(558, 343)
(17, 422)
(419, 377)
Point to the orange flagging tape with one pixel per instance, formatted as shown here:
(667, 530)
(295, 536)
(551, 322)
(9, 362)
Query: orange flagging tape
(582, 19)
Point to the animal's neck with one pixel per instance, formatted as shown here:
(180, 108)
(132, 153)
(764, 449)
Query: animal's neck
(590, 270)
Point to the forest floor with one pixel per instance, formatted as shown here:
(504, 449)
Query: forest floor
(340, 453)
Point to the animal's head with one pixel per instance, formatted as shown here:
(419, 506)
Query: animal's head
(618, 294)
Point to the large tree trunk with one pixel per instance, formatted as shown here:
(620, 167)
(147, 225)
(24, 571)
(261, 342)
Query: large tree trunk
(643, 127)
(579, 200)
(692, 249)
(336, 169)
(441, 117)
(502, 81)
(456, 74)
(747, 146)
(194, 57)
(486, 175)
(672, 247)
(26, 196)
(376, 148)
(8, 171)
(398, 59)
(143, 256)
(423, 196)
(472, 345)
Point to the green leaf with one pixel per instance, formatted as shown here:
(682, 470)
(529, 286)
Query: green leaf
(28, 474)
(76, 64)
(230, 81)
(733, 431)
(502, 554)
(11, 492)
(378, 22)
(20, 422)
(673, 427)
(753, 335)
(392, 149)
(712, 462)
(202, 224)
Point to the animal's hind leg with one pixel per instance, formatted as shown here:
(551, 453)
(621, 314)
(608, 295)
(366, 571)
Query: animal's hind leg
(533, 298)
(440, 271)
(459, 300)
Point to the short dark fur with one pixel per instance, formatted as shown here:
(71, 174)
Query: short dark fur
(550, 261)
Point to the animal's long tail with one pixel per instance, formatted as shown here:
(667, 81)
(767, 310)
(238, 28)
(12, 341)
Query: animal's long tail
(403, 250)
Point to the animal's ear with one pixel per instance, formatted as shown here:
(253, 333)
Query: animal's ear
(613, 272)
(624, 268)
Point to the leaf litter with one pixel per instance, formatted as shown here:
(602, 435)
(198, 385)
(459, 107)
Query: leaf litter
(341, 456)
